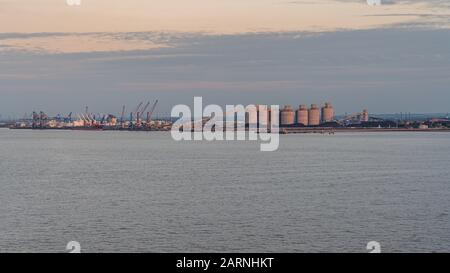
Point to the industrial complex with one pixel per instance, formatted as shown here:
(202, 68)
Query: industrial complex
(140, 119)
(303, 119)
(314, 116)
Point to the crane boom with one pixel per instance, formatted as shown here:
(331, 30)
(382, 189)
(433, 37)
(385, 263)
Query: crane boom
(145, 108)
(86, 117)
(122, 116)
(69, 117)
(139, 114)
(149, 118)
(139, 106)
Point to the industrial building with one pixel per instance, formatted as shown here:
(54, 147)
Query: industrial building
(139, 119)
(302, 115)
(365, 115)
(315, 119)
(314, 115)
(327, 113)
(287, 116)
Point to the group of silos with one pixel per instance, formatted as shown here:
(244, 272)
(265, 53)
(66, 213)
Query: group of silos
(313, 116)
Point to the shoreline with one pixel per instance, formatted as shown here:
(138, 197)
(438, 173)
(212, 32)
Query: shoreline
(283, 130)
(356, 130)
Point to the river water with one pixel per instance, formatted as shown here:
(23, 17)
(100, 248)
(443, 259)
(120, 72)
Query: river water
(144, 192)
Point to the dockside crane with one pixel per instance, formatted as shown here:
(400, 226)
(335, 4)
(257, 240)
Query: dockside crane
(139, 107)
(145, 108)
(83, 118)
(69, 117)
(136, 111)
(42, 118)
(103, 119)
(88, 119)
(122, 116)
(149, 114)
(35, 119)
(140, 113)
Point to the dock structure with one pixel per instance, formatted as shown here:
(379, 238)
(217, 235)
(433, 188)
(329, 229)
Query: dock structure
(304, 120)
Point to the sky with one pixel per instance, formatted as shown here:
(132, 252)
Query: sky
(393, 57)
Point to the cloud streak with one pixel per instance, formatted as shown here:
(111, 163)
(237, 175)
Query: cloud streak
(379, 69)
(217, 17)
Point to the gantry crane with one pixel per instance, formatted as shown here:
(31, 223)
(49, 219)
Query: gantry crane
(149, 114)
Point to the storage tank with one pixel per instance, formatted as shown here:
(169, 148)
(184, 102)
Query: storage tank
(287, 115)
(327, 113)
(314, 115)
(302, 115)
(365, 115)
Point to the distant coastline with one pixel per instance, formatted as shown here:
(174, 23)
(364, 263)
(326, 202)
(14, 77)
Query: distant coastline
(286, 130)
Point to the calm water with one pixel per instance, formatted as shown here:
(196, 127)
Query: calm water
(143, 192)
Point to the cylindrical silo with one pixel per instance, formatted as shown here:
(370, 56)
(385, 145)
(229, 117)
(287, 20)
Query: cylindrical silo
(302, 115)
(365, 115)
(327, 113)
(287, 115)
(314, 115)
